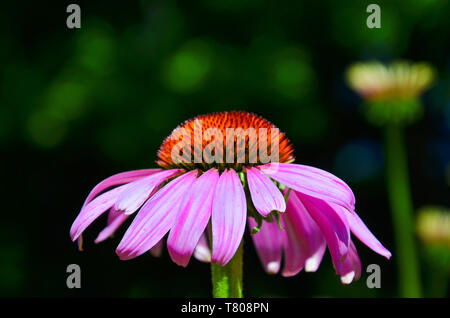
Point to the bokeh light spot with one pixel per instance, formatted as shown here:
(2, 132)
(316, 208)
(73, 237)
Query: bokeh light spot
(359, 160)
(293, 76)
(44, 130)
(188, 68)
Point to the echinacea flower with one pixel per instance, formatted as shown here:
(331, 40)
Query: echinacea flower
(391, 91)
(293, 211)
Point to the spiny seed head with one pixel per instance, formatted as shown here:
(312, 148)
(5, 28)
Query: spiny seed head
(224, 140)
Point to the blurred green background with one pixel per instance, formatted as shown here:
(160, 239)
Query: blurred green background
(78, 105)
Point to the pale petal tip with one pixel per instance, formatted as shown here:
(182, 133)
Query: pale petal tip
(387, 254)
(312, 264)
(348, 278)
(100, 238)
(273, 267)
(202, 254)
(128, 212)
(74, 234)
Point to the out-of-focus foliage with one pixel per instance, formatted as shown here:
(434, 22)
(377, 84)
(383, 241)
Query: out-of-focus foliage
(77, 105)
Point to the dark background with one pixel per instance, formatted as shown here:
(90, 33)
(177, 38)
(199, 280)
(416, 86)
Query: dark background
(78, 105)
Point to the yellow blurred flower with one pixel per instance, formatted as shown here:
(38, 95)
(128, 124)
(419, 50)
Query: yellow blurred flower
(399, 80)
(433, 226)
(391, 92)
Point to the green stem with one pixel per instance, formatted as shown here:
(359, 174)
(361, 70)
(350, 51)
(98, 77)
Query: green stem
(401, 210)
(227, 280)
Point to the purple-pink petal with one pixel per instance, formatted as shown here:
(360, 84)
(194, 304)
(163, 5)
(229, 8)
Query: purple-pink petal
(305, 231)
(155, 218)
(269, 244)
(118, 179)
(229, 214)
(312, 181)
(137, 192)
(192, 218)
(334, 228)
(93, 210)
(295, 251)
(350, 268)
(266, 197)
(115, 220)
(360, 230)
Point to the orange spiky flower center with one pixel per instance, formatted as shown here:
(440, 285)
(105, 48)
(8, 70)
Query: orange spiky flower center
(224, 140)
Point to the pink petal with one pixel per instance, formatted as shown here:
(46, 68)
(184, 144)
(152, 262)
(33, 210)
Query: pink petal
(306, 232)
(229, 213)
(192, 218)
(269, 244)
(313, 261)
(333, 226)
(202, 251)
(155, 218)
(93, 210)
(117, 179)
(350, 269)
(361, 231)
(295, 252)
(266, 197)
(156, 250)
(115, 220)
(312, 181)
(137, 192)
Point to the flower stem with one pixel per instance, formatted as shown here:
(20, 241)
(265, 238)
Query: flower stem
(227, 280)
(401, 210)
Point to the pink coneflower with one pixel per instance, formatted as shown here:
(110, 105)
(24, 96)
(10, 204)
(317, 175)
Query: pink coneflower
(293, 211)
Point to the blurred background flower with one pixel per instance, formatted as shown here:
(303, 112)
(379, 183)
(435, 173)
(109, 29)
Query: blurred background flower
(390, 96)
(391, 92)
(433, 226)
(433, 229)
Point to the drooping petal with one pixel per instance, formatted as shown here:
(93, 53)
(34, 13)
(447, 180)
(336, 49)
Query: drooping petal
(229, 214)
(306, 232)
(118, 179)
(155, 218)
(269, 244)
(266, 197)
(334, 228)
(350, 269)
(361, 231)
(202, 251)
(137, 192)
(295, 252)
(156, 250)
(93, 210)
(313, 261)
(193, 216)
(115, 220)
(312, 181)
